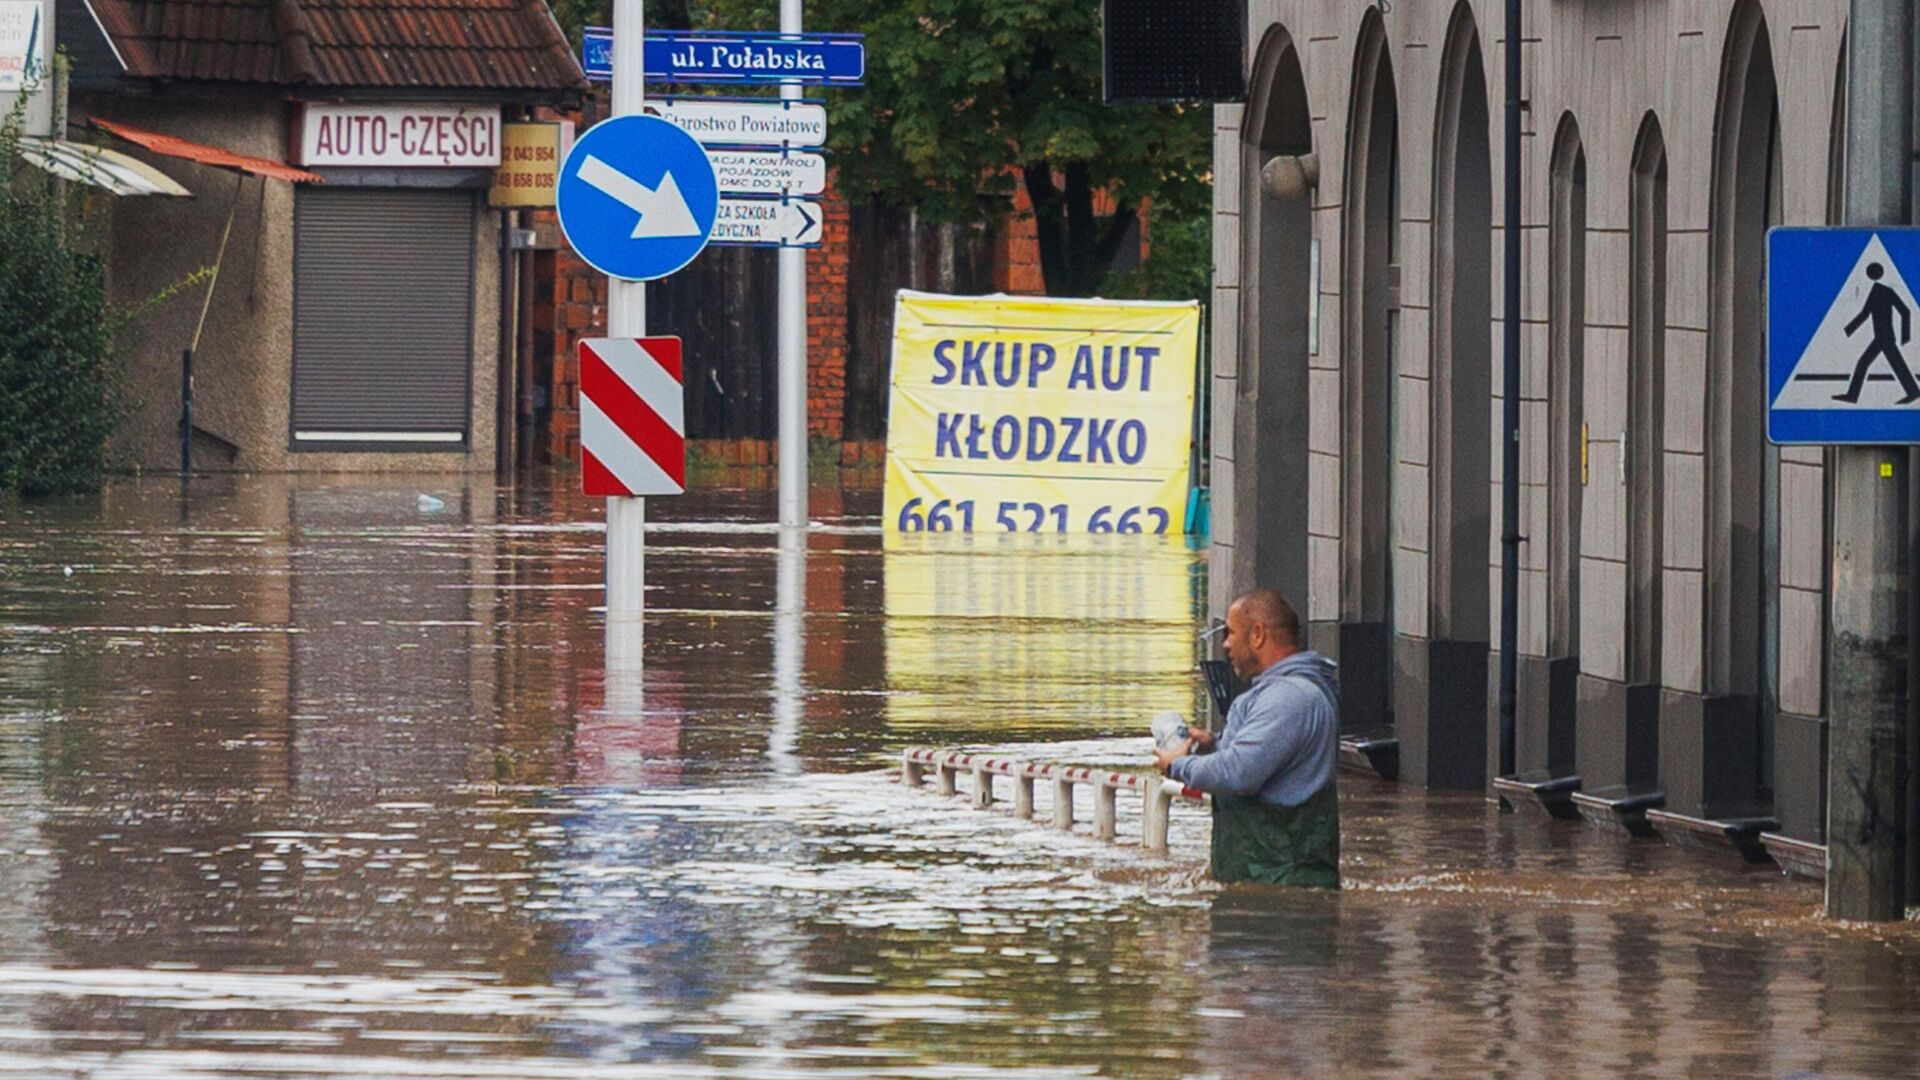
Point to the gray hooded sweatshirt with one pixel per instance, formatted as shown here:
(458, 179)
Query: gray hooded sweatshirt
(1282, 736)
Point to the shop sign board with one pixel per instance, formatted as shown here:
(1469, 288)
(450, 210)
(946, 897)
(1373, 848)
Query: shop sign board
(23, 44)
(399, 136)
(530, 156)
(26, 28)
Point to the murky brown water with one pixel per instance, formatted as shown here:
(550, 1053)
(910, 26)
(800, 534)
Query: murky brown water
(319, 778)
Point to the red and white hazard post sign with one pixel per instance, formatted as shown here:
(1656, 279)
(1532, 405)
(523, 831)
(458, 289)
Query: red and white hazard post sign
(632, 417)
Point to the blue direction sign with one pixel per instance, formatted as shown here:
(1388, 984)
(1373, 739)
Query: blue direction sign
(637, 197)
(1843, 336)
(719, 56)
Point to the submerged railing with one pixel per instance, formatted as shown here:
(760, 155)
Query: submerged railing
(1156, 795)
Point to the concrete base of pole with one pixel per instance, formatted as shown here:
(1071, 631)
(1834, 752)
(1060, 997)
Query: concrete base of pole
(1867, 736)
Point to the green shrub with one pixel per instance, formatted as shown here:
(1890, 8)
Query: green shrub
(60, 393)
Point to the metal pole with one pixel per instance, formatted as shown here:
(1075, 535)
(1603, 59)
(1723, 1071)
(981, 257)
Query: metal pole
(1867, 661)
(186, 412)
(626, 317)
(1510, 537)
(793, 346)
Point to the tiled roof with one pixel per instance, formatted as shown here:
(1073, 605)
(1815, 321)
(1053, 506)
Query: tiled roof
(410, 44)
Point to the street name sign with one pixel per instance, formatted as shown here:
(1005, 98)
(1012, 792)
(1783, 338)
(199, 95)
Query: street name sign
(764, 122)
(768, 223)
(637, 198)
(722, 56)
(768, 172)
(632, 417)
(1842, 347)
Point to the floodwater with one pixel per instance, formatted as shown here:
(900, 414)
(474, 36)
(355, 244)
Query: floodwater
(322, 778)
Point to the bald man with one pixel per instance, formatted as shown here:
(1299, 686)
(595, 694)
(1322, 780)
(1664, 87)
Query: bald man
(1271, 772)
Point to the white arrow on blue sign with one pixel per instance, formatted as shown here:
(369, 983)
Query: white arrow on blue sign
(767, 223)
(637, 197)
(1842, 349)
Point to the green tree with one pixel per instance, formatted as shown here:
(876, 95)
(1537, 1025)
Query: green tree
(965, 99)
(59, 391)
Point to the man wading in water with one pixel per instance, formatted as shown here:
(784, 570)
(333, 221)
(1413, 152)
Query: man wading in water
(1276, 819)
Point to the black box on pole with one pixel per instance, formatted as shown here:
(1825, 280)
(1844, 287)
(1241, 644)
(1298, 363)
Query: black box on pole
(1174, 50)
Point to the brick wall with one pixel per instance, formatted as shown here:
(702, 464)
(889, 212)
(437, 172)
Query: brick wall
(827, 323)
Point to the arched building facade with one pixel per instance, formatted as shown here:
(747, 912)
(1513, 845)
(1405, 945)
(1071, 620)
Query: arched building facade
(1672, 603)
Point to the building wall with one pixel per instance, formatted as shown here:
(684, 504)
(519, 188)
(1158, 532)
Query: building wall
(244, 365)
(1608, 66)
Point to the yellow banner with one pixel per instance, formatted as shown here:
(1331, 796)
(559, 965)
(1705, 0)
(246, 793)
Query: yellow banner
(1030, 414)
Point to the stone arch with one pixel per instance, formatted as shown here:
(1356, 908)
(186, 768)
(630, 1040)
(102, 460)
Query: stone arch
(1462, 340)
(1566, 381)
(1369, 249)
(1270, 436)
(1646, 398)
(1441, 682)
(1724, 748)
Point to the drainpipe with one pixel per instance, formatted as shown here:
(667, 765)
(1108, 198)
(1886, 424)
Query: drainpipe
(1510, 538)
(1867, 729)
(504, 365)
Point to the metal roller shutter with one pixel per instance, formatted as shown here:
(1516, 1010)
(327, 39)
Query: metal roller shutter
(383, 315)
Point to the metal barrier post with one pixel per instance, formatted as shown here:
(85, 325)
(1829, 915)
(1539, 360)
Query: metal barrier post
(1062, 802)
(1103, 815)
(982, 786)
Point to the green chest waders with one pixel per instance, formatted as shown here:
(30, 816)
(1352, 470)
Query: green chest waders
(1270, 844)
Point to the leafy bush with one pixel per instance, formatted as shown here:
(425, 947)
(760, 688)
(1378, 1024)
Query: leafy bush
(60, 394)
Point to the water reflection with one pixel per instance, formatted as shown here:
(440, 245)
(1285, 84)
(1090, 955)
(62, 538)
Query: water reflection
(1035, 636)
(330, 778)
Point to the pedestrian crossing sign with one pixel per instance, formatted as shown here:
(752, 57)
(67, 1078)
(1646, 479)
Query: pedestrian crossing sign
(1843, 336)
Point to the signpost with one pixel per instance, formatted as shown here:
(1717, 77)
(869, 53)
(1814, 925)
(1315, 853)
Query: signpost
(715, 56)
(790, 59)
(748, 122)
(766, 223)
(1841, 344)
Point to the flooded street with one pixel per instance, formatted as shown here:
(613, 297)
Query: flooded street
(323, 777)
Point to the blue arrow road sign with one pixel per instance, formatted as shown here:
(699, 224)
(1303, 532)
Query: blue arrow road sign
(719, 56)
(1843, 336)
(637, 197)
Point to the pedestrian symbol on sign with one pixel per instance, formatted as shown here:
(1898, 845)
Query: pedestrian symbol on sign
(1840, 336)
(1880, 306)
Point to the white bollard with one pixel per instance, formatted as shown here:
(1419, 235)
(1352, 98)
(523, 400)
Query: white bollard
(1156, 810)
(945, 772)
(1103, 811)
(982, 786)
(1023, 796)
(911, 771)
(1062, 802)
